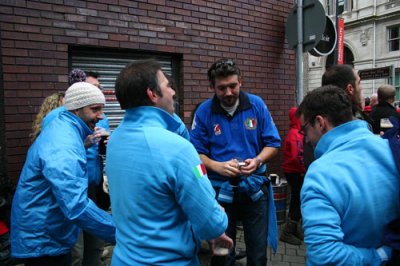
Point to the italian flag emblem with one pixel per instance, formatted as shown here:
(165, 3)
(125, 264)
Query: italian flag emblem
(251, 123)
(200, 171)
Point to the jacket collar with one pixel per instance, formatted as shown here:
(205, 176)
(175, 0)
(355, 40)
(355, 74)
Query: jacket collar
(81, 126)
(340, 135)
(148, 116)
(386, 104)
(244, 103)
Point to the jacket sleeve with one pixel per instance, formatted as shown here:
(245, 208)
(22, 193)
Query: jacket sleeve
(324, 236)
(195, 195)
(270, 134)
(65, 170)
(198, 133)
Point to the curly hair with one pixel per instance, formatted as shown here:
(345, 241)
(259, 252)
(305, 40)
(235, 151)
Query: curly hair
(50, 102)
(221, 69)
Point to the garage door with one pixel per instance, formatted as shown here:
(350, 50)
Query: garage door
(108, 65)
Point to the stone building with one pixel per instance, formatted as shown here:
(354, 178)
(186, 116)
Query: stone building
(371, 39)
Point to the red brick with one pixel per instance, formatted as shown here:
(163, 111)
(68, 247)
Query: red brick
(97, 6)
(118, 37)
(28, 77)
(15, 69)
(28, 61)
(201, 32)
(38, 21)
(40, 6)
(146, 6)
(13, 19)
(98, 35)
(40, 37)
(14, 52)
(51, 15)
(27, 28)
(128, 3)
(74, 17)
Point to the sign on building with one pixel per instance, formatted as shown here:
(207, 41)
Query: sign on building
(375, 73)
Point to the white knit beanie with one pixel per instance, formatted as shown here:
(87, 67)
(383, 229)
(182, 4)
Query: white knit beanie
(82, 94)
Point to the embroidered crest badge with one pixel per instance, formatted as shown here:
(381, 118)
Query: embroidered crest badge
(217, 130)
(250, 123)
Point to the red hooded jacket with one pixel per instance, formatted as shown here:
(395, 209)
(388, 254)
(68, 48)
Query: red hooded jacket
(293, 147)
(3, 228)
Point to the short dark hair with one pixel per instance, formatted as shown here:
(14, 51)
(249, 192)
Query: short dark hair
(340, 76)
(134, 80)
(93, 74)
(386, 92)
(327, 101)
(222, 69)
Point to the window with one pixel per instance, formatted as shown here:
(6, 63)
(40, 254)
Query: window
(394, 38)
(342, 5)
(330, 7)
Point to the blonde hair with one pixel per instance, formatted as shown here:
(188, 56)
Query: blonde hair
(50, 102)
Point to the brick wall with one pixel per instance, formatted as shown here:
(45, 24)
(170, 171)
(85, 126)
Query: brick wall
(36, 35)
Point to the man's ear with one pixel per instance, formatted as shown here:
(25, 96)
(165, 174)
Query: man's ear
(349, 89)
(153, 97)
(323, 124)
(75, 112)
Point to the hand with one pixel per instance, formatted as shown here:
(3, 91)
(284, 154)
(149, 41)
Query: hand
(92, 139)
(250, 167)
(228, 168)
(222, 241)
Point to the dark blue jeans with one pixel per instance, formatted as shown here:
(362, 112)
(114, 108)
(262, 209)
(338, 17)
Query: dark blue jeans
(254, 216)
(295, 181)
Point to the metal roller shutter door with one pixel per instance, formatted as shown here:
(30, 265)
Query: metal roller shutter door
(108, 65)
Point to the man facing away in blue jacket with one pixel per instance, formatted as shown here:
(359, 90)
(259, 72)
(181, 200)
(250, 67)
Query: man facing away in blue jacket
(51, 202)
(351, 191)
(162, 201)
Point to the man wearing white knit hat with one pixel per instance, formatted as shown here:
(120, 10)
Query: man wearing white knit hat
(51, 202)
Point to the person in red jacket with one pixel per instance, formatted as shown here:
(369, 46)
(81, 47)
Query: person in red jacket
(293, 169)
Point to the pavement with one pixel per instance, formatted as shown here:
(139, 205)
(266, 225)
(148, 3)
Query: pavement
(286, 255)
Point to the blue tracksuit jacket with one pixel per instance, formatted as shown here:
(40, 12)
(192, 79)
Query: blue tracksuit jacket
(162, 204)
(243, 135)
(350, 193)
(95, 167)
(51, 201)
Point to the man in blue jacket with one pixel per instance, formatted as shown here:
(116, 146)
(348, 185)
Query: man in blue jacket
(351, 191)
(51, 202)
(236, 127)
(89, 248)
(162, 201)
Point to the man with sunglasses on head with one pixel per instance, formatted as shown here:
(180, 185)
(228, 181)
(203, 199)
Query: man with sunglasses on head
(351, 191)
(235, 136)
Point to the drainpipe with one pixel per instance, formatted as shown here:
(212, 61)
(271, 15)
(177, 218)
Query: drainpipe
(374, 47)
(299, 53)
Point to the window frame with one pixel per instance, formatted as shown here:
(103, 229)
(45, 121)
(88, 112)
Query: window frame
(395, 39)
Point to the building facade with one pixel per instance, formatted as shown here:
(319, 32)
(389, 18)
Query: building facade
(371, 40)
(41, 41)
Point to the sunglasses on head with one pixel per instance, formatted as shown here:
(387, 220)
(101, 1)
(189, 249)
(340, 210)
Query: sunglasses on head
(225, 62)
